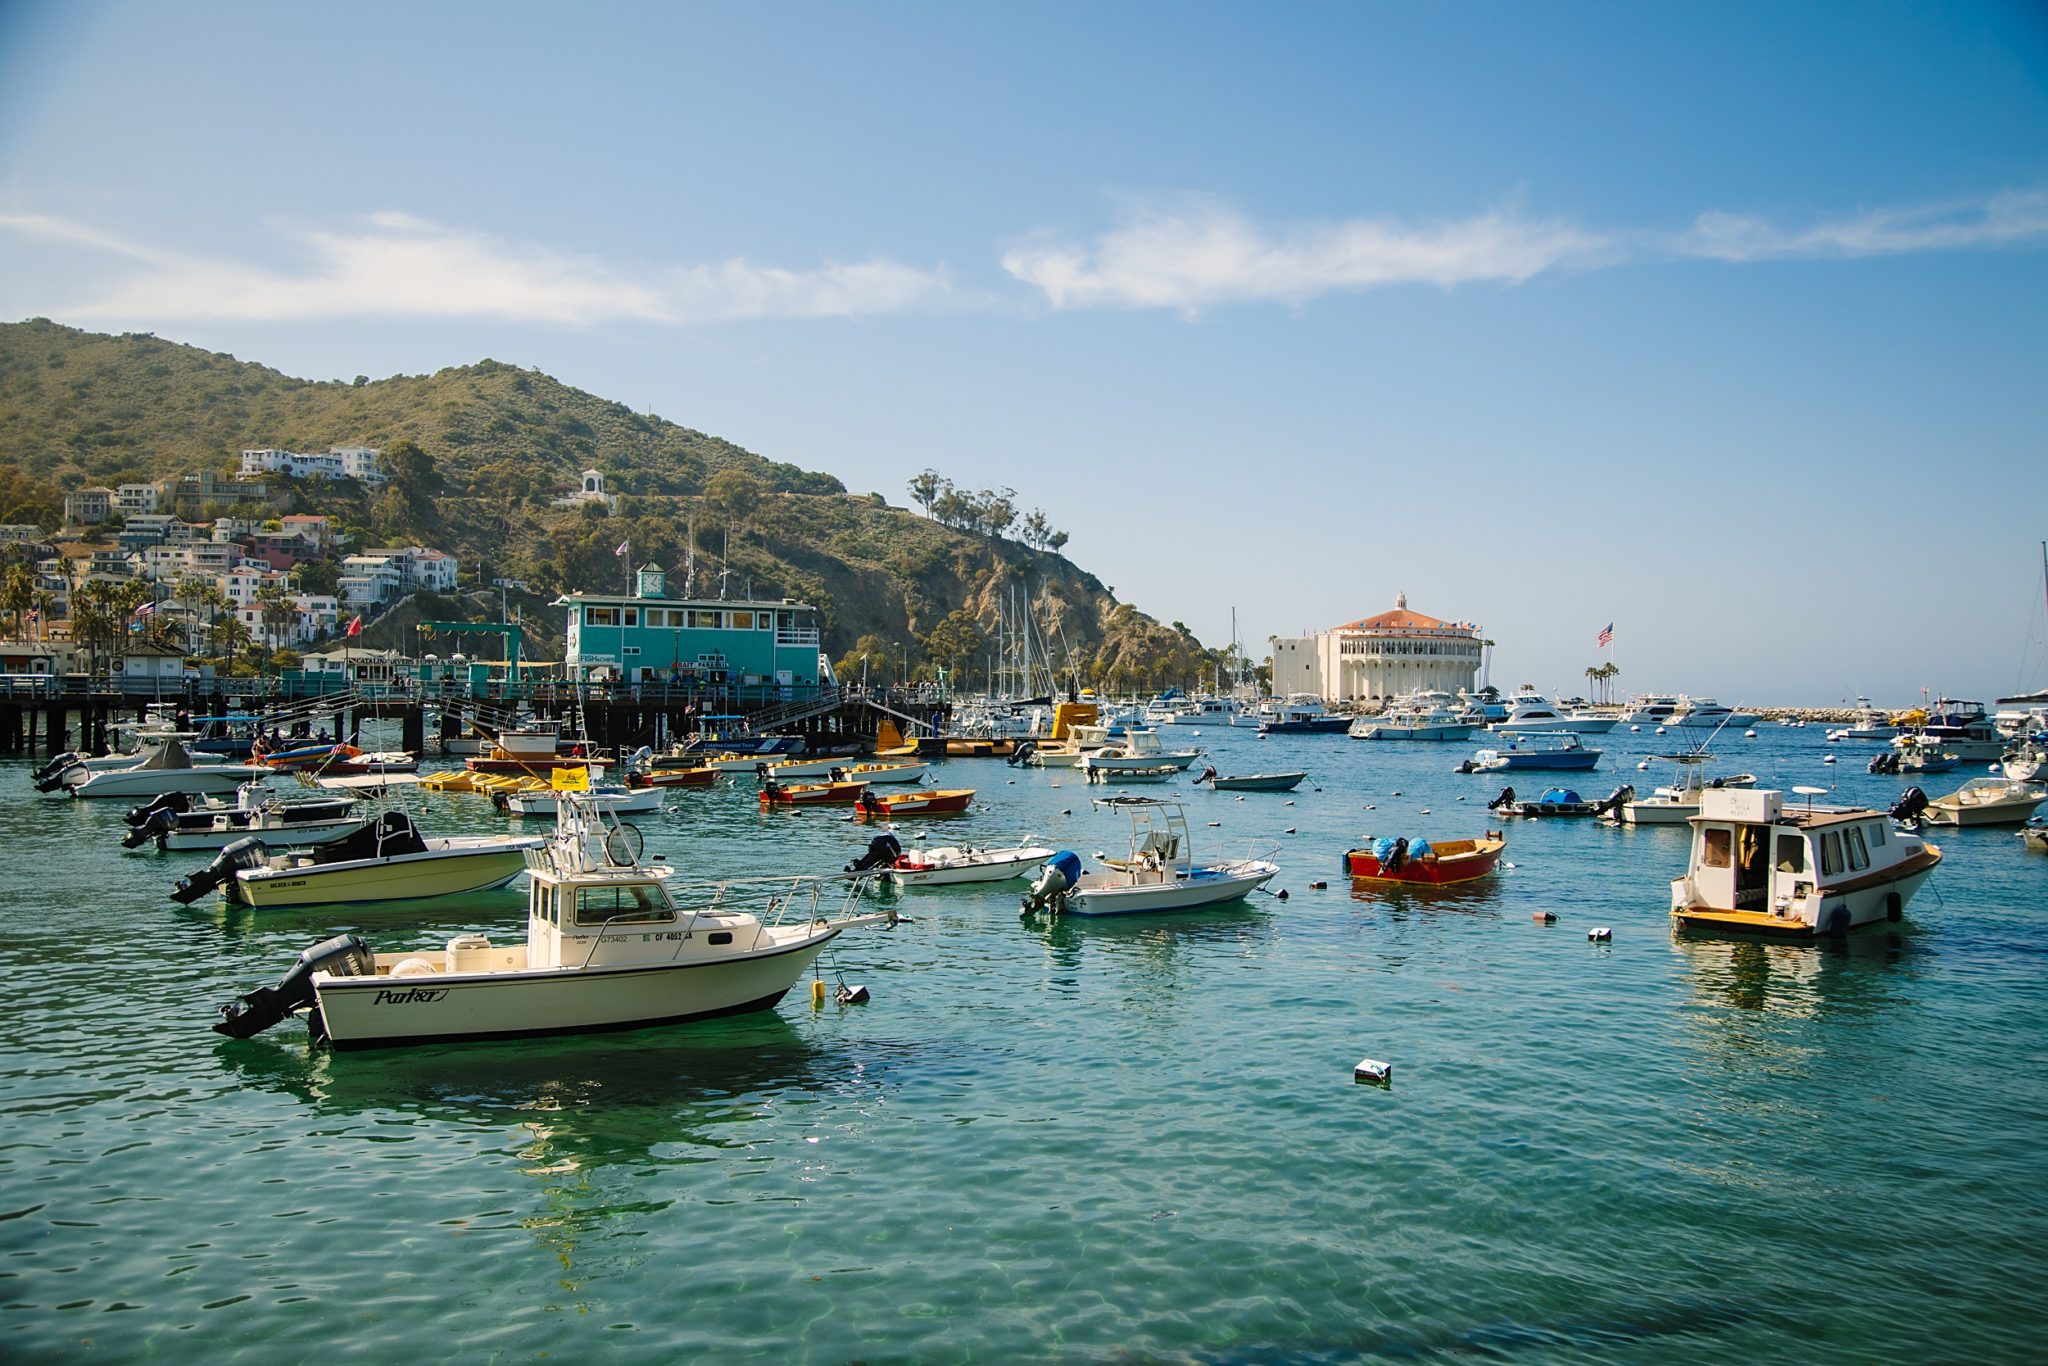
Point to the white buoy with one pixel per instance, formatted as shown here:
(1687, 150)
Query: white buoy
(1425, 811)
(1288, 802)
(1660, 730)
(1507, 865)
(1635, 728)
(1749, 735)
(1829, 759)
(1643, 767)
(1214, 824)
(1600, 934)
(1374, 1071)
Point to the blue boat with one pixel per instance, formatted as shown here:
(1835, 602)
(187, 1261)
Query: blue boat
(1543, 749)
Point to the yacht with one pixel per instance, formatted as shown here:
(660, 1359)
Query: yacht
(1203, 711)
(1417, 716)
(1650, 709)
(1302, 715)
(1529, 712)
(1704, 713)
(1537, 749)
(1962, 730)
(163, 766)
(1800, 872)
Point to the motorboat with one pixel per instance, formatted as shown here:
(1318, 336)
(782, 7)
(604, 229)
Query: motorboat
(231, 736)
(889, 772)
(948, 864)
(388, 860)
(1869, 723)
(1160, 873)
(1536, 749)
(672, 777)
(178, 823)
(163, 766)
(1679, 801)
(2035, 837)
(612, 796)
(1425, 716)
(788, 770)
(2026, 760)
(335, 758)
(925, 801)
(537, 748)
(1987, 801)
(1704, 713)
(1250, 782)
(1140, 749)
(1149, 773)
(1959, 728)
(1799, 871)
(611, 943)
(1302, 715)
(1202, 711)
(1558, 802)
(1650, 709)
(1530, 713)
(1425, 863)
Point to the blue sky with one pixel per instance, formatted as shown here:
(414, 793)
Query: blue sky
(1724, 323)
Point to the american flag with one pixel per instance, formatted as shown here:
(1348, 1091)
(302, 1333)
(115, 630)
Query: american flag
(623, 547)
(1606, 636)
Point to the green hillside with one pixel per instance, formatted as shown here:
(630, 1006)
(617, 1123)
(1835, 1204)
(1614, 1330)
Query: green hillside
(496, 444)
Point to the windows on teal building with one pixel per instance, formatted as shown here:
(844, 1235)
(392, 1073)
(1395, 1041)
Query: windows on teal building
(650, 638)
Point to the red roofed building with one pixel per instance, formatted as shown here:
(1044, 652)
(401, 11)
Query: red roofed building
(1379, 657)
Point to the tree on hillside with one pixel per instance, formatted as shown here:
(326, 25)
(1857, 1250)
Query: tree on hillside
(956, 640)
(17, 593)
(926, 488)
(735, 495)
(411, 471)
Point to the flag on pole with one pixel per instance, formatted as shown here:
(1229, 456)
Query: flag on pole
(355, 625)
(621, 551)
(1606, 636)
(145, 609)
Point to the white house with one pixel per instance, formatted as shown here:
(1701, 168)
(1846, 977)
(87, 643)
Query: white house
(368, 580)
(132, 500)
(339, 462)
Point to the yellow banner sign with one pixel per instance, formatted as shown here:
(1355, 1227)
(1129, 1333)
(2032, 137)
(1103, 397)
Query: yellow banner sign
(570, 780)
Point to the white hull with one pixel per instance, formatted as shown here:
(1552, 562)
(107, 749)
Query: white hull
(1650, 812)
(629, 802)
(1394, 730)
(295, 833)
(977, 867)
(371, 1012)
(1202, 887)
(1055, 759)
(206, 780)
(1577, 725)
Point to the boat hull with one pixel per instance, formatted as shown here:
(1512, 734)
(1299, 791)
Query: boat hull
(298, 833)
(908, 873)
(879, 807)
(1457, 861)
(386, 1012)
(1869, 900)
(1259, 782)
(218, 780)
(1198, 888)
(1322, 725)
(409, 877)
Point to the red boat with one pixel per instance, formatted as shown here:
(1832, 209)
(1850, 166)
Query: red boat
(1445, 863)
(674, 777)
(812, 794)
(935, 802)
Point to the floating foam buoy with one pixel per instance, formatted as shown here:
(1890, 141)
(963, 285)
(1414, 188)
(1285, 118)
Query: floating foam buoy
(1643, 767)
(1370, 807)
(1067, 811)
(1425, 811)
(1660, 730)
(1749, 735)
(1829, 759)
(1395, 793)
(852, 995)
(1545, 917)
(817, 991)
(1240, 798)
(1600, 934)
(1214, 824)
(1635, 728)
(1009, 782)
(1288, 802)
(1318, 886)
(1374, 1071)
(921, 834)
(1507, 865)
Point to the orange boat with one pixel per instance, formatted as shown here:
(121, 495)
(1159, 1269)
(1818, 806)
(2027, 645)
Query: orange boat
(1440, 865)
(674, 777)
(932, 802)
(812, 794)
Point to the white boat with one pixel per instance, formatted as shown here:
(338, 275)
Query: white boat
(798, 770)
(1987, 801)
(1650, 709)
(1961, 729)
(1425, 716)
(179, 823)
(1139, 751)
(1679, 802)
(1093, 771)
(2027, 760)
(164, 766)
(949, 864)
(1799, 872)
(1870, 723)
(611, 943)
(2035, 837)
(1203, 711)
(1535, 750)
(1530, 713)
(387, 861)
(623, 800)
(888, 772)
(1704, 713)
(1159, 875)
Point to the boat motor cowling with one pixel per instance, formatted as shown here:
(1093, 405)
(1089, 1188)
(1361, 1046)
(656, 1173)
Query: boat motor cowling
(1615, 800)
(1908, 808)
(883, 850)
(1022, 753)
(160, 823)
(51, 776)
(246, 852)
(1061, 872)
(178, 802)
(345, 955)
(1506, 798)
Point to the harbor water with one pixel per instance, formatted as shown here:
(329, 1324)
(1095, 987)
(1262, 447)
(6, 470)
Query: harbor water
(1094, 1140)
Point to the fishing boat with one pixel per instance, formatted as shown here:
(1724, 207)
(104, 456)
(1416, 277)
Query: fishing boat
(179, 823)
(1800, 872)
(162, 766)
(1140, 748)
(333, 758)
(1987, 801)
(1547, 750)
(812, 794)
(389, 860)
(1679, 801)
(1425, 863)
(889, 772)
(1123, 773)
(934, 801)
(1869, 723)
(1250, 782)
(1556, 802)
(612, 796)
(1160, 873)
(1418, 716)
(948, 864)
(611, 943)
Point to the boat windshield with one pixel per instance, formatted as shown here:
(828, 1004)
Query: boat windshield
(624, 903)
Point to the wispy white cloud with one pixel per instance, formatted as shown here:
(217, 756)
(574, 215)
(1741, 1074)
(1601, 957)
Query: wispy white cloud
(1201, 252)
(2004, 219)
(394, 265)
(1192, 254)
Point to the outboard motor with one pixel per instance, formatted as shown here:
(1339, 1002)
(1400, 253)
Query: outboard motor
(168, 801)
(1022, 753)
(1061, 872)
(162, 821)
(1468, 766)
(1611, 805)
(1888, 762)
(345, 955)
(1907, 809)
(883, 850)
(50, 777)
(1207, 775)
(1397, 857)
(246, 852)
(1507, 795)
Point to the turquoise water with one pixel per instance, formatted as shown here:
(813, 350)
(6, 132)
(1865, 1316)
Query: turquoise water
(1099, 1140)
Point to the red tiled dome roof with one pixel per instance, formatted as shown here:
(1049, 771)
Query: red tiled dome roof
(1397, 620)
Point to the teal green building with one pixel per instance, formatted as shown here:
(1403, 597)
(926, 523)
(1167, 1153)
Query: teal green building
(648, 637)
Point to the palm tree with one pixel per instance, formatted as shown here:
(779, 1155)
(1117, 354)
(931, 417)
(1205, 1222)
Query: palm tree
(17, 592)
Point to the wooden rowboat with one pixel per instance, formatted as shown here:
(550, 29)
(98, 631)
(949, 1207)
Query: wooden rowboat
(925, 802)
(812, 794)
(1448, 862)
(674, 777)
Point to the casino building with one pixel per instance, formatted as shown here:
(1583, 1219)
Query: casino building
(1377, 658)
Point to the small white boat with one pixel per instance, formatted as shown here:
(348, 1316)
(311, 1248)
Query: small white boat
(1159, 875)
(1530, 713)
(1801, 872)
(795, 770)
(948, 864)
(1202, 711)
(2026, 761)
(1987, 801)
(611, 943)
(164, 766)
(889, 772)
(1419, 716)
(1140, 751)
(2035, 837)
(543, 802)
(180, 824)
(1122, 773)
(386, 861)
(1870, 723)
